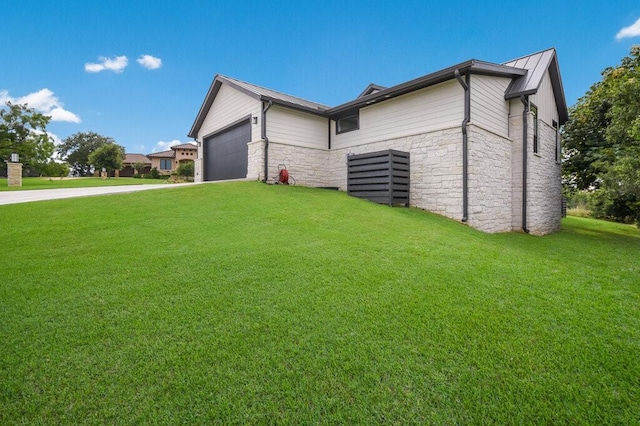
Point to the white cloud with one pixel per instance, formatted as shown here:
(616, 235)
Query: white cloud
(165, 146)
(149, 62)
(61, 114)
(45, 102)
(630, 31)
(117, 64)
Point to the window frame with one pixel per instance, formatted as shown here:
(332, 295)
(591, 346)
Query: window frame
(339, 121)
(536, 140)
(554, 124)
(164, 161)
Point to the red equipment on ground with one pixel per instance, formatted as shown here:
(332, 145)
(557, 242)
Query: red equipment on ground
(283, 177)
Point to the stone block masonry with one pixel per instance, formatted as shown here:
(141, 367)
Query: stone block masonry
(494, 174)
(544, 186)
(14, 174)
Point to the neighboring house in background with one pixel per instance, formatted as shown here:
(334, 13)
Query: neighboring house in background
(483, 139)
(130, 160)
(167, 162)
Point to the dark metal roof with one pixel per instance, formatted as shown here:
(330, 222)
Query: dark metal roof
(537, 65)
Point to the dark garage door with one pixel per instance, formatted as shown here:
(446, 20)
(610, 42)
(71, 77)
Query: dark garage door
(225, 154)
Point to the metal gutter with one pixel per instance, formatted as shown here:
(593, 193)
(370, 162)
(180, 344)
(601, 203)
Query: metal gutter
(525, 134)
(263, 132)
(465, 142)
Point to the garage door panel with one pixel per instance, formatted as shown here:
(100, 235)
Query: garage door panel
(226, 153)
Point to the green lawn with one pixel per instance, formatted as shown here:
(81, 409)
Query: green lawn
(53, 183)
(247, 303)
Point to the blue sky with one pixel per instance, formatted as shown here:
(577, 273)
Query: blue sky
(138, 71)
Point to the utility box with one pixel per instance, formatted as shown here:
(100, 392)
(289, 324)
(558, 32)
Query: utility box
(381, 177)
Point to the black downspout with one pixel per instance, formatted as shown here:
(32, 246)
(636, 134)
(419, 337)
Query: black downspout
(329, 133)
(525, 125)
(263, 128)
(465, 141)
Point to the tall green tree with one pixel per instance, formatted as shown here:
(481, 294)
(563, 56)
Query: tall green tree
(24, 131)
(76, 149)
(602, 141)
(54, 169)
(109, 156)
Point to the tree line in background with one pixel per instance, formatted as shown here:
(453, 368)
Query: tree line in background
(601, 164)
(23, 131)
(88, 151)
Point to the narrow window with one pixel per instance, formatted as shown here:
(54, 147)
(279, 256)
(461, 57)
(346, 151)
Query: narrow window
(534, 112)
(165, 164)
(554, 123)
(348, 123)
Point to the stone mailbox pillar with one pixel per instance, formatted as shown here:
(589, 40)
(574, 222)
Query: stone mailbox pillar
(14, 171)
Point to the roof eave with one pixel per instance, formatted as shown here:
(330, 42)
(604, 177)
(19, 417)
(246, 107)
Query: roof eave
(206, 105)
(292, 105)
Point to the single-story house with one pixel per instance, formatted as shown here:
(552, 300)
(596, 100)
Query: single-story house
(168, 161)
(129, 163)
(483, 139)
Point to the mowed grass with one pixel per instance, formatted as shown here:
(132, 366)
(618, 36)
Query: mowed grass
(56, 182)
(246, 303)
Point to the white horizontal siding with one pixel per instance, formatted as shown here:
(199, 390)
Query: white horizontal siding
(229, 106)
(545, 101)
(489, 109)
(296, 128)
(437, 107)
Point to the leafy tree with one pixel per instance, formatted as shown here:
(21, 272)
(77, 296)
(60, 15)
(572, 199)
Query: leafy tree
(53, 169)
(24, 131)
(602, 142)
(186, 169)
(155, 173)
(109, 156)
(76, 149)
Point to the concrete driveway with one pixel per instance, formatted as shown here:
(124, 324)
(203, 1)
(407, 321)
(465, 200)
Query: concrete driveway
(14, 197)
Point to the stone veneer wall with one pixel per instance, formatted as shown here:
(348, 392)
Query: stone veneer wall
(495, 174)
(308, 166)
(436, 168)
(197, 170)
(255, 161)
(489, 180)
(515, 132)
(544, 184)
